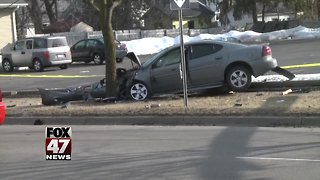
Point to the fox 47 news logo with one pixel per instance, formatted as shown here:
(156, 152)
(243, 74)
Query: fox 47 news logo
(58, 143)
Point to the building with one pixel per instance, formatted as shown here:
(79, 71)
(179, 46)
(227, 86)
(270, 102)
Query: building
(8, 31)
(198, 15)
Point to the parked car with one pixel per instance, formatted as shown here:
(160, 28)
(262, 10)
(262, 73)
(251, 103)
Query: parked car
(88, 50)
(38, 53)
(210, 64)
(2, 109)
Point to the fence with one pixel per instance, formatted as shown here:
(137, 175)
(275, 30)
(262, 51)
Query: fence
(127, 35)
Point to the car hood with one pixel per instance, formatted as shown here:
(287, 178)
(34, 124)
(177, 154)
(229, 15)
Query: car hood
(134, 58)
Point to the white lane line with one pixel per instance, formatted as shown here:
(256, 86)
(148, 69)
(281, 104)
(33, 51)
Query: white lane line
(280, 159)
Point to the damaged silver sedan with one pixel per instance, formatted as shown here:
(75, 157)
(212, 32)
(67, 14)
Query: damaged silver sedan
(210, 64)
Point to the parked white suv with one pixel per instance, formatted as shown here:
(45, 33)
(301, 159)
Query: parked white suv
(38, 53)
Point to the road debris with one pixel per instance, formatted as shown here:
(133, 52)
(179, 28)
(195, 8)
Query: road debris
(238, 104)
(286, 92)
(149, 106)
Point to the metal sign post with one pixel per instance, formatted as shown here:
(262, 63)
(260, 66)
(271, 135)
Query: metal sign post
(179, 5)
(183, 62)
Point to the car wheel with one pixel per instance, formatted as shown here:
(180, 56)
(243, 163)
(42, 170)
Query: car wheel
(64, 66)
(37, 65)
(138, 91)
(97, 59)
(7, 65)
(238, 78)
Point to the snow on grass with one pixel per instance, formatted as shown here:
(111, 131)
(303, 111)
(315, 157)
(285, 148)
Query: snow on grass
(277, 78)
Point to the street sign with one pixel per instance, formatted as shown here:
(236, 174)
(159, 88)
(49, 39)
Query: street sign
(179, 4)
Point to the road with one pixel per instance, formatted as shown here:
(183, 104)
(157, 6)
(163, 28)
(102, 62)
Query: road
(140, 152)
(286, 52)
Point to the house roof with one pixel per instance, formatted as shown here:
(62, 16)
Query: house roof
(12, 3)
(196, 9)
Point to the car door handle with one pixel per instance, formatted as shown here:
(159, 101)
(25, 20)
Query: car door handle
(174, 69)
(23, 52)
(218, 58)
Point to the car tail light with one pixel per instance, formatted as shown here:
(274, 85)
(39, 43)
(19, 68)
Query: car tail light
(0, 95)
(46, 55)
(266, 51)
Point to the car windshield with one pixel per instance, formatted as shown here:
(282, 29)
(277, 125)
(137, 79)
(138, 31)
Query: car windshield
(57, 42)
(149, 61)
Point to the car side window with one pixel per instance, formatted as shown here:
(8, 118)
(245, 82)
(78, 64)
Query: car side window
(201, 50)
(91, 43)
(29, 44)
(39, 43)
(19, 45)
(172, 57)
(80, 45)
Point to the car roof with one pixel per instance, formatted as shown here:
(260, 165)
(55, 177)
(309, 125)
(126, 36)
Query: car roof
(44, 37)
(207, 41)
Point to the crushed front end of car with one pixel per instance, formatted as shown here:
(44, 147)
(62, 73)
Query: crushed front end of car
(93, 91)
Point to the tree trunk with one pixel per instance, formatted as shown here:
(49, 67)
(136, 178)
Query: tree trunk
(50, 12)
(263, 11)
(318, 9)
(254, 12)
(36, 15)
(104, 9)
(110, 55)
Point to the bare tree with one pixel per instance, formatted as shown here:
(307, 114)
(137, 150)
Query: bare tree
(52, 10)
(104, 9)
(36, 14)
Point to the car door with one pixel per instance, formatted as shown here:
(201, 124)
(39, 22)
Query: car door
(79, 52)
(165, 73)
(18, 53)
(94, 45)
(205, 64)
(27, 60)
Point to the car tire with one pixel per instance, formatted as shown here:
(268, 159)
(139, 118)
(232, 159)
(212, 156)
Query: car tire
(7, 65)
(238, 78)
(37, 65)
(63, 66)
(97, 59)
(139, 91)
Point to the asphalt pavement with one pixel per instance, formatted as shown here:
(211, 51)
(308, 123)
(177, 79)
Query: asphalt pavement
(156, 153)
(296, 52)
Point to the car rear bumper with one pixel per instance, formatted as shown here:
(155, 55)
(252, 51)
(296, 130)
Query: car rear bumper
(260, 67)
(56, 63)
(2, 112)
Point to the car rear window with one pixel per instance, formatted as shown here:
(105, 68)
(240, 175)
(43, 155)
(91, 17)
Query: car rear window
(57, 42)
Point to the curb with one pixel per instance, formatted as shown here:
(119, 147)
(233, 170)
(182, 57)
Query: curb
(255, 121)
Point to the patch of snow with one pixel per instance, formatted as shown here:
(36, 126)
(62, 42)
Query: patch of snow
(153, 45)
(279, 78)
